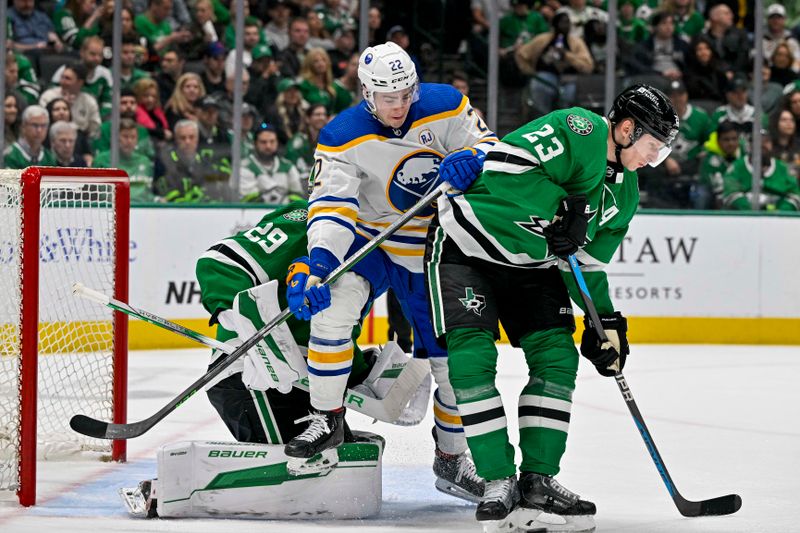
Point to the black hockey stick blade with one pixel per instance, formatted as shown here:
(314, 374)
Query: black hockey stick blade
(98, 429)
(714, 507)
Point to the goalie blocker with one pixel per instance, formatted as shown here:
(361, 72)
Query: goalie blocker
(216, 479)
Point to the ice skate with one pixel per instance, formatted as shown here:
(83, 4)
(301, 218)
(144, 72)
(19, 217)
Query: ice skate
(544, 503)
(456, 475)
(495, 510)
(315, 448)
(140, 501)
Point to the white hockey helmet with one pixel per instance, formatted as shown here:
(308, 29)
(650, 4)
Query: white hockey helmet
(386, 68)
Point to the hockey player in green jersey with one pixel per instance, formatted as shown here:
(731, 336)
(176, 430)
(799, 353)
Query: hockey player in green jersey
(545, 191)
(779, 189)
(253, 410)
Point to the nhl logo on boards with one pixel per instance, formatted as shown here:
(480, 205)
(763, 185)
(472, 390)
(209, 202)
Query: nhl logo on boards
(579, 124)
(296, 215)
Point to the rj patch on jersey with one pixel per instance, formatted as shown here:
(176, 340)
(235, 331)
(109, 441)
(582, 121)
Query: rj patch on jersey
(579, 124)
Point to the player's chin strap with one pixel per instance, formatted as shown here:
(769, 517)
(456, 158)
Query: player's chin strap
(618, 148)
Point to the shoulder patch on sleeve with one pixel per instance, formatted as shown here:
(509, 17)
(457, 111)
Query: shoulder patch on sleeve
(437, 98)
(347, 126)
(580, 125)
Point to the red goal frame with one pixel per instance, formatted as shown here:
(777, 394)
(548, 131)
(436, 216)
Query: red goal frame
(31, 180)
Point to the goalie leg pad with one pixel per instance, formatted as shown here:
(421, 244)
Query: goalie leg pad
(212, 479)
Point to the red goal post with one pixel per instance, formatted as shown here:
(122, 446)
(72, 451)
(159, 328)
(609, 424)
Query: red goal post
(58, 355)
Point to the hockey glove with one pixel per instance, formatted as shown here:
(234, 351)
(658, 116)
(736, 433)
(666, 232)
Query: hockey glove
(460, 168)
(304, 294)
(605, 355)
(567, 233)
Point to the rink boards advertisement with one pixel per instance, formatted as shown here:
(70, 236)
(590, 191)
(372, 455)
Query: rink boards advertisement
(679, 278)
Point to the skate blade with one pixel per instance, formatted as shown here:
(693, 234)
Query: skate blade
(323, 462)
(531, 520)
(506, 525)
(134, 501)
(451, 489)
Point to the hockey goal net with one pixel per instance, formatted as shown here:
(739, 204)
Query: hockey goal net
(59, 354)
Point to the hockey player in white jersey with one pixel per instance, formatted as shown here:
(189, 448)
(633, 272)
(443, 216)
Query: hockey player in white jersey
(373, 162)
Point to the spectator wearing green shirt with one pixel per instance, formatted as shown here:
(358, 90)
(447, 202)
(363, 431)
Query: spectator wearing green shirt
(629, 26)
(154, 26)
(688, 21)
(707, 193)
(29, 148)
(79, 19)
(266, 177)
(334, 15)
(779, 189)
(129, 59)
(520, 25)
(138, 166)
(301, 147)
(317, 84)
(29, 93)
(99, 81)
(127, 109)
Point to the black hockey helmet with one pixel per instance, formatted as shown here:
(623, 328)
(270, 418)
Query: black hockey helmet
(650, 109)
(652, 112)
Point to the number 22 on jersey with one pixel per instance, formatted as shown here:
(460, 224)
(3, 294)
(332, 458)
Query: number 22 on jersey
(538, 138)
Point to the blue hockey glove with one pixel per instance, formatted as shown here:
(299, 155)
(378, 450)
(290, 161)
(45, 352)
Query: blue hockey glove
(303, 294)
(460, 168)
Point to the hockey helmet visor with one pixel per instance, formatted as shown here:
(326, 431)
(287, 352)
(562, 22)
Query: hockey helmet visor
(651, 149)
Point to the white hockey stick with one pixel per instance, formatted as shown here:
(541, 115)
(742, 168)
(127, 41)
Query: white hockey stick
(386, 409)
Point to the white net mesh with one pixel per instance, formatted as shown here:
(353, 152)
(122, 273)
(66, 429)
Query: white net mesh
(75, 361)
(10, 319)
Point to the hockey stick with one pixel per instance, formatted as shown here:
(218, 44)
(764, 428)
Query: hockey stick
(386, 409)
(106, 430)
(722, 505)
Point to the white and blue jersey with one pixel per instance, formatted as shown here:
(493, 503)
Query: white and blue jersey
(366, 174)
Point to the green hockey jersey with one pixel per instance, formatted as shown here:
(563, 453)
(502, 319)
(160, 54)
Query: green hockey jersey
(253, 257)
(779, 189)
(502, 216)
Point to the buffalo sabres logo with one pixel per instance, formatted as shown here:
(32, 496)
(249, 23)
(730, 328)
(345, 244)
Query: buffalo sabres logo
(368, 59)
(414, 176)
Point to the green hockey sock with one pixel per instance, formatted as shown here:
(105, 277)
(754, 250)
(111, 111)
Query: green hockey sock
(546, 401)
(472, 363)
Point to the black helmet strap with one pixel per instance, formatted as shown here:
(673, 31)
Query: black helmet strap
(618, 148)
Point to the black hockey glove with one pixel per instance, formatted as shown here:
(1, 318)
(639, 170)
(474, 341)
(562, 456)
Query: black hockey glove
(567, 232)
(615, 327)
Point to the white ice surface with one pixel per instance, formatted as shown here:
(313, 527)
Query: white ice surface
(725, 418)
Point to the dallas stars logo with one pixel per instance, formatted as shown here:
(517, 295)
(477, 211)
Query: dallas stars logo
(296, 215)
(473, 302)
(579, 124)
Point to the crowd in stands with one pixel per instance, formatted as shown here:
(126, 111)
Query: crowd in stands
(301, 59)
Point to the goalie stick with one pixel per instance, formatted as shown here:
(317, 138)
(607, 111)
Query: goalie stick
(722, 505)
(386, 409)
(92, 427)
